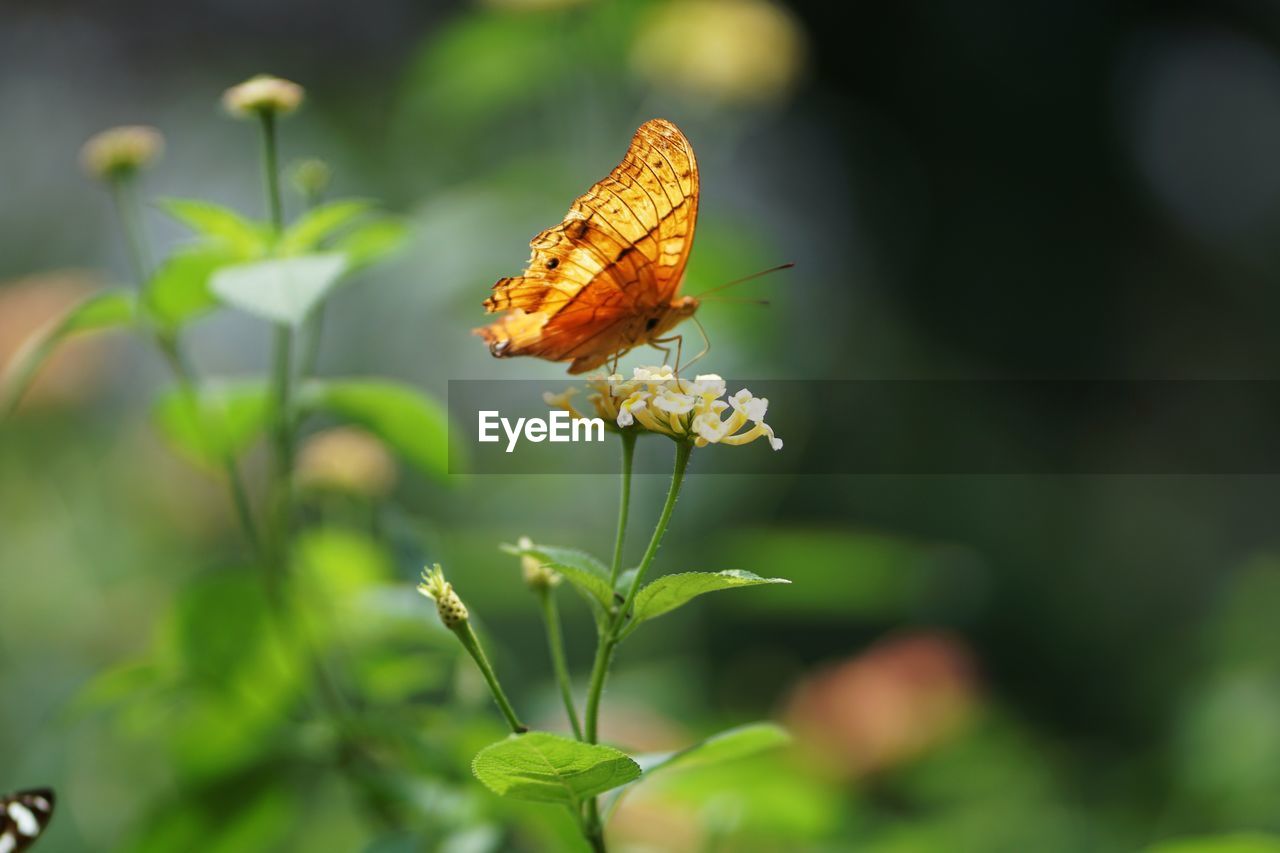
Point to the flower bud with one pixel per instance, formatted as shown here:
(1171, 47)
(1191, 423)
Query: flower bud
(537, 576)
(451, 609)
(310, 177)
(121, 151)
(346, 459)
(262, 95)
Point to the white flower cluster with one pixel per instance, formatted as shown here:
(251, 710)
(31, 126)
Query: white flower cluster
(656, 400)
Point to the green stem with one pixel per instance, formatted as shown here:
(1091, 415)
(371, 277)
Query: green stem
(126, 205)
(555, 643)
(282, 368)
(612, 634)
(314, 326)
(624, 505)
(471, 643)
(683, 451)
(282, 501)
(127, 209)
(271, 170)
(187, 384)
(311, 333)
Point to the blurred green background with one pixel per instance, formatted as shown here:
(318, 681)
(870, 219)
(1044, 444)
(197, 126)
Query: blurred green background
(989, 189)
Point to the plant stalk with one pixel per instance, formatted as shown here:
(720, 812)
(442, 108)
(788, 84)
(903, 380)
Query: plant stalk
(612, 633)
(471, 643)
(624, 505)
(281, 517)
(555, 644)
(126, 205)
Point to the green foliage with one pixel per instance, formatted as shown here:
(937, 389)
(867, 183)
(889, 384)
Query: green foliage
(282, 290)
(243, 238)
(411, 423)
(179, 291)
(671, 591)
(370, 241)
(728, 745)
(217, 423)
(587, 574)
(319, 224)
(547, 768)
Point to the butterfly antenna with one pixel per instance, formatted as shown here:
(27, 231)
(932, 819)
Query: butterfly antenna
(734, 300)
(746, 278)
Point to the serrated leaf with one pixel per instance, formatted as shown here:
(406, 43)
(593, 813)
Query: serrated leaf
(671, 591)
(243, 237)
(411, 423)
(218, 422)
(547, 768)
(371, 241)
(283, 290)
(106, 309)
(179, 291)
(585, 572)
(320, 223)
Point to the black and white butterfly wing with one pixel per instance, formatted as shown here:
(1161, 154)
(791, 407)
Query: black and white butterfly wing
(23, 816)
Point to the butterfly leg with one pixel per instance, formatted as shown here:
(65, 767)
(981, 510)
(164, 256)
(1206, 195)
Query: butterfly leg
(666, 351)
(706, 347)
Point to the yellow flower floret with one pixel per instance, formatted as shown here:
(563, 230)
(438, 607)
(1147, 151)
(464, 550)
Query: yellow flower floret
(654, 399)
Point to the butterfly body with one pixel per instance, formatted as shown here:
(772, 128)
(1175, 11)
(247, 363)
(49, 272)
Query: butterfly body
(607, 278)
(23, 817)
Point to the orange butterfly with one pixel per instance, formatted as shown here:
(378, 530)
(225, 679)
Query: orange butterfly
(607, 278)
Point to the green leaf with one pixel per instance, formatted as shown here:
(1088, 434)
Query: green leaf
(219, 422)
(179, 290)
(371, 241)
(283, 290)
(106, 309)
(727, 745)
(414, 425)
(671, 591)
(585, 572)
(244, 238)
(318, 224)
(547, 768)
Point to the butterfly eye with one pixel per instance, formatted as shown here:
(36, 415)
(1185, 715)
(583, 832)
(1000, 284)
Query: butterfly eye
(650, 324)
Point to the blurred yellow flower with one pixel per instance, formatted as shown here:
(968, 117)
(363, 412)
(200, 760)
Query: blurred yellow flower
(347, 459)
(655, 400)
(451, 609)
(263, 94)
(120, 151)
(724, 51)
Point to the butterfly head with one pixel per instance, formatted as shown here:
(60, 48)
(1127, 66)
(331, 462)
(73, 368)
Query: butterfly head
(667, 317)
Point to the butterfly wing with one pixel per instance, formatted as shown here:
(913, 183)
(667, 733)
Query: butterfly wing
(23, 817)
(618, 256)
